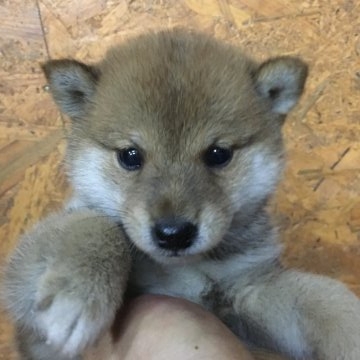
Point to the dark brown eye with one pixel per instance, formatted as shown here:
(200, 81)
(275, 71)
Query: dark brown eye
(216, 156)
(129, 158)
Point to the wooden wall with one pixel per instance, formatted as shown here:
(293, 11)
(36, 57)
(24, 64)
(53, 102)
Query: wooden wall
(318, 203)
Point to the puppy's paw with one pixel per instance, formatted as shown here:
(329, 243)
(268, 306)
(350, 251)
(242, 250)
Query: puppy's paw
(71, 314)
(343, 343)
(69, 327)
(337, 330)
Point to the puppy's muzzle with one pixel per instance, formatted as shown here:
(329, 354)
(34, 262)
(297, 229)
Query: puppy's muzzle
(174, 234)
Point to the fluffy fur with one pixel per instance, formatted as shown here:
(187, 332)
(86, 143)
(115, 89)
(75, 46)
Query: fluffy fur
(174, 96)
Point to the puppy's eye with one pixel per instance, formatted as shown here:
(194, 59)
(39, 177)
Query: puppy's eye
(216, 156)
(129, 158)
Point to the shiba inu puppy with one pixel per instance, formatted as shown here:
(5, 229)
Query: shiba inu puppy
(174, 152)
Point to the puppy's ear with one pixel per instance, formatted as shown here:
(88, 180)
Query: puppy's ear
(281, 81)
(72, 85)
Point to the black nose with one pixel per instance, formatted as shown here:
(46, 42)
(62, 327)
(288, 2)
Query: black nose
(174, 234)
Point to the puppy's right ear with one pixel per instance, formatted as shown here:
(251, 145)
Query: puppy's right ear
(72, 85)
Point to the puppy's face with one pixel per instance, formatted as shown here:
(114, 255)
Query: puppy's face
(175, 134)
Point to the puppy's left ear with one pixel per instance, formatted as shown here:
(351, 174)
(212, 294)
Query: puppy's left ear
(281, 81)
(72, 85)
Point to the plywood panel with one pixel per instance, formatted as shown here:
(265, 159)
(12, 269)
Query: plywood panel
(318, 203)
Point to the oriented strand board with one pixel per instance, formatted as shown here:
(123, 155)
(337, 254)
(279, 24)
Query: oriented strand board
(317, 204)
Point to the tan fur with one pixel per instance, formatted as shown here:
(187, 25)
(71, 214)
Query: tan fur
(174, 96)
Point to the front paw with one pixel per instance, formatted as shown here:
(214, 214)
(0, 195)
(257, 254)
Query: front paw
(71, 314)
(336, 335)
(341, 341)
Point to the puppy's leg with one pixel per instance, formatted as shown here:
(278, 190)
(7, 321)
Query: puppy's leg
(301, 315)
(64, 283)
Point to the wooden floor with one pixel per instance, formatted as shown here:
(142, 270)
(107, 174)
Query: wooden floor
(318, 203)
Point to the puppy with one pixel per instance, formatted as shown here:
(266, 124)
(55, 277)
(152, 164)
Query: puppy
(174, 152)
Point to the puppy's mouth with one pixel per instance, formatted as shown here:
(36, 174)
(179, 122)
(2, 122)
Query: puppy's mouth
(173, 254)
(176, 257)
